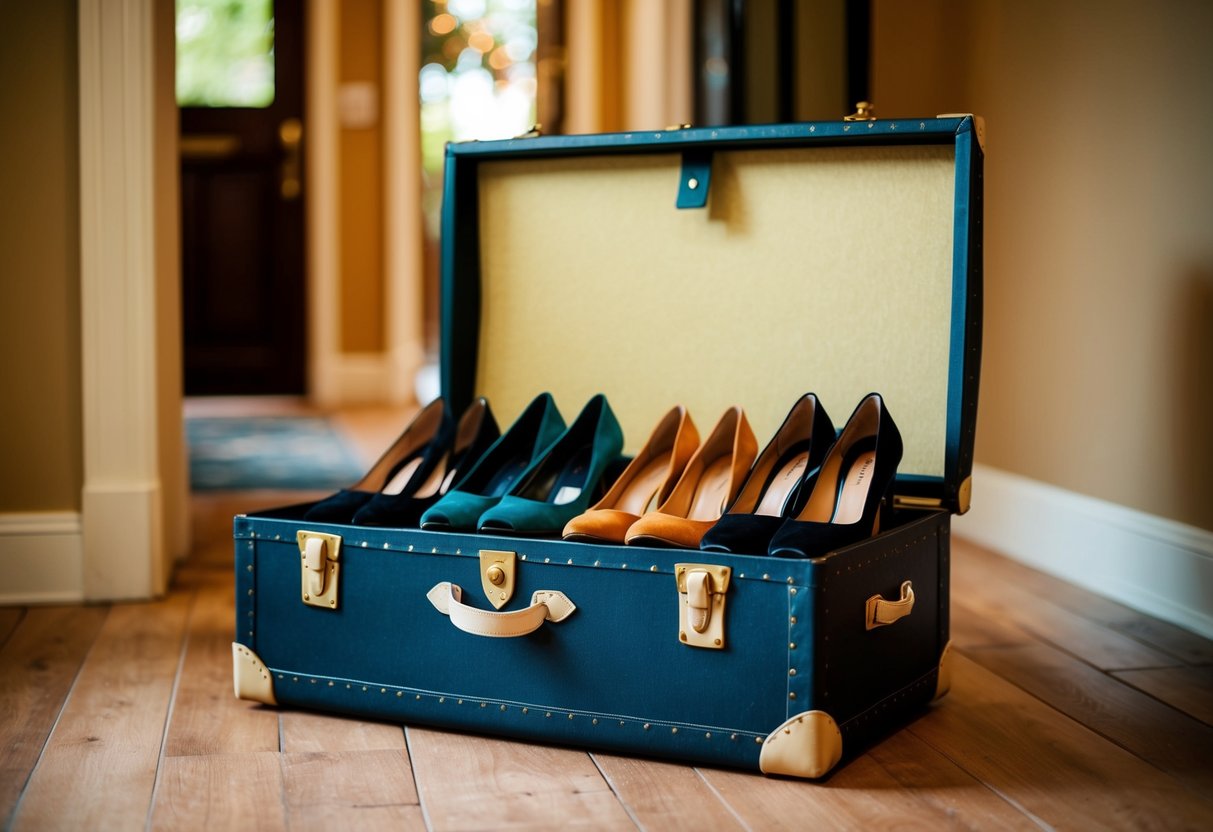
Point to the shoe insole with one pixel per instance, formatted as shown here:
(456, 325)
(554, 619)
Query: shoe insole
(854, 492)
(639, 493)
(781, 485)
(570, 482)
(401, 478)
(712, 492)
(504, 477)
(437, 481)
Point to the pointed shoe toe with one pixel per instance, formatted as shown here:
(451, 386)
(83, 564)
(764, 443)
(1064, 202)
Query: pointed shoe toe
(666, 530)
(602, 525)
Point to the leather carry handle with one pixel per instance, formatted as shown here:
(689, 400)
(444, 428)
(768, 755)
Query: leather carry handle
(879, 612)
(546, 605)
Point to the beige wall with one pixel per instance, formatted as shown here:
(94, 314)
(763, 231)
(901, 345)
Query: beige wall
(40, 405)
(361, 178)
(1098, 370)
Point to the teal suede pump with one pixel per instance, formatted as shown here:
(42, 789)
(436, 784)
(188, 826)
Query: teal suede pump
(495, 473)
(564, 481)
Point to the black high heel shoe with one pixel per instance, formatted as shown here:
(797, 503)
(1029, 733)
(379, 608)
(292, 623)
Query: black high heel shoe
(449, 456)
(843, 506)
(411, 455)
(774, 489)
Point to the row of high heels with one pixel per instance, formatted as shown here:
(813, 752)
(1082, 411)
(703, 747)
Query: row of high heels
(807, 493)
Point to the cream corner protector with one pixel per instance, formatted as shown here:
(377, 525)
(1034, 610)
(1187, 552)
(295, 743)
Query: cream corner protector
(807, 745)
(250, 676)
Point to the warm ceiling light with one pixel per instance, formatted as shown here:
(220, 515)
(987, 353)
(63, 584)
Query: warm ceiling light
(443, 24)
(481, 42)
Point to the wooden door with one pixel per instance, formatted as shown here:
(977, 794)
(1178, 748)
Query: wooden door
(242, 194)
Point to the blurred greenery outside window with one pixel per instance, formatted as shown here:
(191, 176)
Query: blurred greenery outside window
(225, 53)
(477, 80)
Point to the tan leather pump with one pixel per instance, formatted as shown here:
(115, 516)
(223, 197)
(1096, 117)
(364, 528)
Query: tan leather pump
(707, 486)
(647, 481)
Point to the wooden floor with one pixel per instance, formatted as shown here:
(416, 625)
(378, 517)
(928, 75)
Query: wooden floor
(1066, 711)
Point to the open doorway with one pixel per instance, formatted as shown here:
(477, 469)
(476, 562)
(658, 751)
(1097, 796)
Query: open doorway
(240, 90)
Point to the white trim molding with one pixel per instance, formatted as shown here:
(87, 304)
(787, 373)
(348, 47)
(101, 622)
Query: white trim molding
(321, 140)
(1158, 566)
(42, 558)
(402, 219)
(122, 189)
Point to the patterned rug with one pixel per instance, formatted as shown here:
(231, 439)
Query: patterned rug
(292, 453)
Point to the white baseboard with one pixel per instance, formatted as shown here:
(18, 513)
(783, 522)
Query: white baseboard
(1158, 566)
(43, 558)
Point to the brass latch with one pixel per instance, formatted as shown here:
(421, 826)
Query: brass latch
(701, 597)
(497, 571)
(864, 111)
(319, 568)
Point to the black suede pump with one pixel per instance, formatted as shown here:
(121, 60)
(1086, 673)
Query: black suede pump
(774, 489)
(857, 475)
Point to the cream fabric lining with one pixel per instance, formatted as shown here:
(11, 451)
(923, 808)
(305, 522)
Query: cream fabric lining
(822, 269)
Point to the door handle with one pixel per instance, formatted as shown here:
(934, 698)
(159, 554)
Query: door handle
(290, 138)
(196, 146)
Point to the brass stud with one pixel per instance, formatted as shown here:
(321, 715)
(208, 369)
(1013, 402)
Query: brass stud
(526, 710)
(418, 697)
(653, 568)
(410, 547)
(792, 671)
(733, 737)
(364, 688)
(524, 557)
(813, 129)
(766, 576)
(647, 726)
(682, 636)
(692, 183)
(458, 701)
(547, 560)
(570, 561)
(674, 730)
(294, 678)
(547, 715)
(793, 619)
(791, 645)
(623, 566)
(250, 592)
(399, 694)
(387, 546)
(484, 704)
(441, 700)
(502, 707)
(758, 740)
(594, 721)
(790, 579)
(250, 567)
(598, 563)
(792, 695)
(707, 735)
(313, 681)
(792, 590)
(570, 716)
(330, 684)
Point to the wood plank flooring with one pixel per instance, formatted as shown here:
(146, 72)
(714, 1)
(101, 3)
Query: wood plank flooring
(1066, 711)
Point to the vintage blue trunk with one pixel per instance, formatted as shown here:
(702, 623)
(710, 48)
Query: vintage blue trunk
(753, 246)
